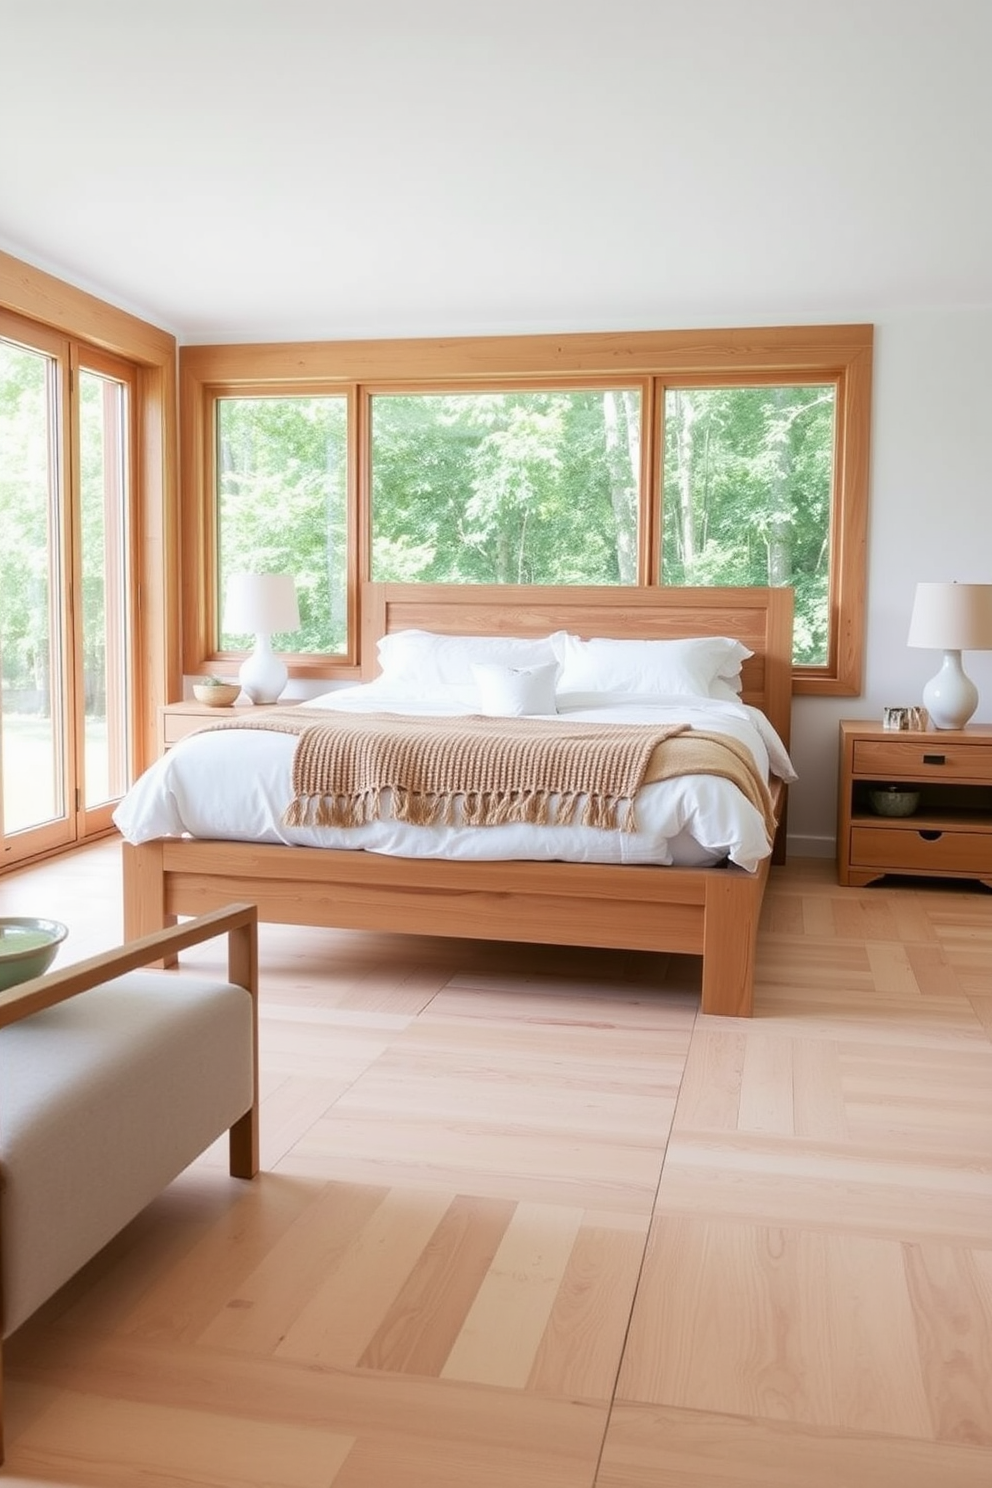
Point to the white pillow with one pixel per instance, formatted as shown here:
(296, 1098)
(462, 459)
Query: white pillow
(778, 756)
(727, 689)
(422, 663)
(516, 692)
(661, 668)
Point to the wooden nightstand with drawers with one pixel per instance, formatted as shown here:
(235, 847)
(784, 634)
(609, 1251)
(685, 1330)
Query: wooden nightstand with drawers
(176, 720)
(949, 835)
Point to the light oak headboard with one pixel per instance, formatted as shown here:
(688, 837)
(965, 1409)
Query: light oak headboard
(760, 618)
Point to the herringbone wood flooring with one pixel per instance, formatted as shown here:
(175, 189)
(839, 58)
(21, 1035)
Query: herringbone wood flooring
(526, 1219)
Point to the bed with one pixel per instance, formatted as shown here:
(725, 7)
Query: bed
(710, 911)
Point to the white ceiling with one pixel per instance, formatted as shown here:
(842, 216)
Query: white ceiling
(306, 169)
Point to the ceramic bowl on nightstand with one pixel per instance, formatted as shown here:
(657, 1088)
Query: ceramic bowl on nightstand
(894, 801)
(27, 948)
(217, 694)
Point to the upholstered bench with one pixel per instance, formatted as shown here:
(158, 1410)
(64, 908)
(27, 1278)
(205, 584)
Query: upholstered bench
(113, 1078)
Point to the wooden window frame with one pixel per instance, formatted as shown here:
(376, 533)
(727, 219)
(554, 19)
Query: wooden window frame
(45, 301)
(201, 601)
(838, 354)
(120, 595)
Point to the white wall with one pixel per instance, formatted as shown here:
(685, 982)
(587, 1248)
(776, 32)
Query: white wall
(930, 519)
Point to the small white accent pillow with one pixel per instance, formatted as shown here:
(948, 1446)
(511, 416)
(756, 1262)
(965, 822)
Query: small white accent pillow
(516, 692)
(660, 668)
(422, 663)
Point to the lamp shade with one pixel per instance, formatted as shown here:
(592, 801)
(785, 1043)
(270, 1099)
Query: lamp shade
(952, 617)
(260, 604)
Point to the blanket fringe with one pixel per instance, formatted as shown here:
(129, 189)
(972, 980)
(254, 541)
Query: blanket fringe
(478, 809)
(334, 811)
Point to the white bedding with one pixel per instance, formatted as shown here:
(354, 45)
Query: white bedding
(235, 784)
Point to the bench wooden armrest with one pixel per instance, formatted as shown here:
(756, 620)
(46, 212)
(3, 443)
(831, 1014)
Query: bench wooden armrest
(238, 921)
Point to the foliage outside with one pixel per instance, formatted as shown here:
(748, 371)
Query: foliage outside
(506, 488)
(281, 495)
(30, 520)
(528, 487)
(34, 643)
(747, 482)
(26, 563)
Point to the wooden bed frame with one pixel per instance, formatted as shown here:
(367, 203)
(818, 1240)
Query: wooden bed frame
(708, 912)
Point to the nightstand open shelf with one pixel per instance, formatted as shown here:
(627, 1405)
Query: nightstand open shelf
(939, 806)
(950, 833)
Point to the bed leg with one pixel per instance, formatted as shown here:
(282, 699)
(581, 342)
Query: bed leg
(733, 905)
(144, 893)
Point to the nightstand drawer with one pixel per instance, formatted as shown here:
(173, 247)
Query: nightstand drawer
(923, 759)
(176, 726)
(176, 720)
(896, 849)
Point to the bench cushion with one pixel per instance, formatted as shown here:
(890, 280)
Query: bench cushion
(104, 1099)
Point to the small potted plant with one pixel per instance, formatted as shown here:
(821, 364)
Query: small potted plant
(216, 692)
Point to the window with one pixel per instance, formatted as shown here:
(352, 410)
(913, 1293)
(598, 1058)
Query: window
(104, 615)
(65, 493)
(113, 575)
(281, 464)
(711, 457)
(32, 649)
(515, 487)
(746, 496)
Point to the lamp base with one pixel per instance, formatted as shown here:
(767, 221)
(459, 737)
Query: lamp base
(950, 697)
(263, 674)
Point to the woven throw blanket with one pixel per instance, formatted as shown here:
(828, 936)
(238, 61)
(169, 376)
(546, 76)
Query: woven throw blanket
(697, 752)
(625, 757)
(479, 771)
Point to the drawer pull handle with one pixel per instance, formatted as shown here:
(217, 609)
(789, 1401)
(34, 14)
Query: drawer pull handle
(935, 759)
(931, 836)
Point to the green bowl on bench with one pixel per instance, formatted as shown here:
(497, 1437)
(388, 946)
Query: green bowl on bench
(27, 948)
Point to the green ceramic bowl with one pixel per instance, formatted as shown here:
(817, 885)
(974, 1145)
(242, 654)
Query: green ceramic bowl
(894, 802)
(27, 948)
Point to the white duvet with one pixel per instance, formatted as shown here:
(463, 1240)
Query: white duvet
(235, 784)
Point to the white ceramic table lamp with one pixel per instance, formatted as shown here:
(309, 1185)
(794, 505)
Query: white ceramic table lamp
(262, 605)
(951, 618)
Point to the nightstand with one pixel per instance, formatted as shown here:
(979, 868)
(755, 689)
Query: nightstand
(176, 720)
(950, 833)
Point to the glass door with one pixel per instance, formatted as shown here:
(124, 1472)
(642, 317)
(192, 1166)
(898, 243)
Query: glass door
(64, 616)
(35, 743)
(101, 610)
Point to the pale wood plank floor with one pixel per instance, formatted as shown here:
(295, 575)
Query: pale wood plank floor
(528, 1221)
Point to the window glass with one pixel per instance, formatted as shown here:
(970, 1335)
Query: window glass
(281, 494)
(103, 460)
(514, 487)
(748, 473)
(32, 756)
